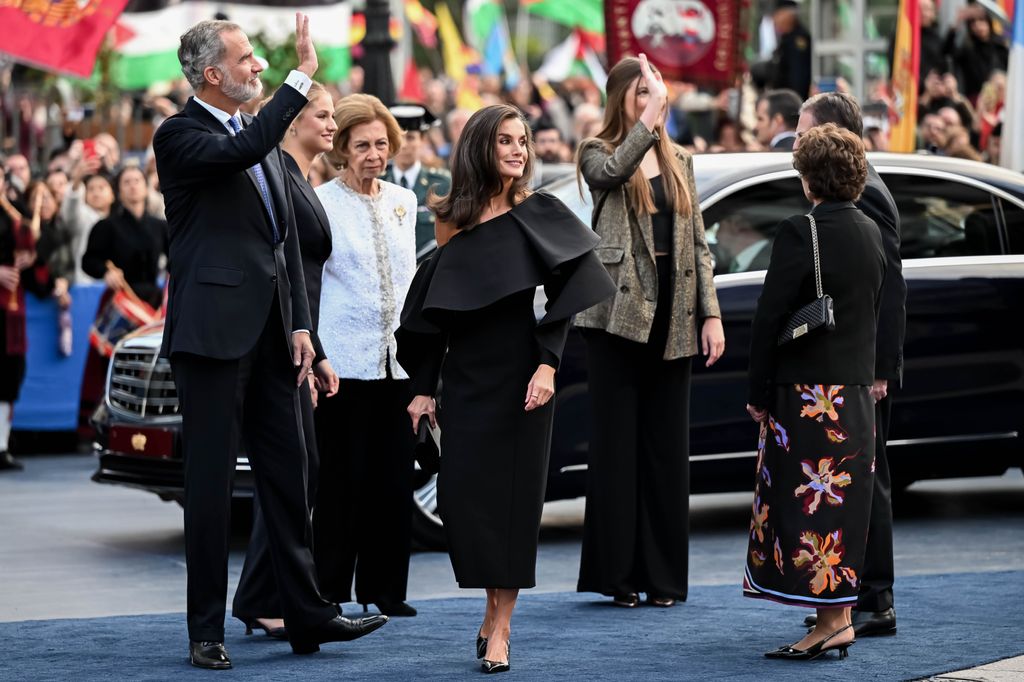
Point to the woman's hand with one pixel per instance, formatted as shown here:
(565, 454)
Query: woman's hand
(61, 289)
(327, 381)
(422, 406)
(653, 115)
(541, 388)
(879, 389)
(712, 340)
(758, 414)
(114, 278)
(9, 277)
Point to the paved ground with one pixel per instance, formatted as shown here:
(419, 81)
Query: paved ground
(73, 548)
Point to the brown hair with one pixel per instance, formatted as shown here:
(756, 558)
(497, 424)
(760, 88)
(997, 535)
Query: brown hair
(475, 175)
(614, 130)
(832, 161)
(354, 110)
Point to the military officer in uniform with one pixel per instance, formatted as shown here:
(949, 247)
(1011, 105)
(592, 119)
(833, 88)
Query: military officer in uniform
(791, 62)
(407, 171)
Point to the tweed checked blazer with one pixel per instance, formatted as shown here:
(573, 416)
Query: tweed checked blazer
(627, 251)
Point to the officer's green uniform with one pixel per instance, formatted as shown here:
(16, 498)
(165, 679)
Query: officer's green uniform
(441, 182)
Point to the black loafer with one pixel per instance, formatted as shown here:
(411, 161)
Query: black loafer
(210, 655)
(629, 600)
(663, 602)
(337, 629)
(398, 609)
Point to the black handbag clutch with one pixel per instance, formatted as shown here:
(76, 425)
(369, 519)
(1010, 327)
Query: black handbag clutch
(428, 447)
(818, 313)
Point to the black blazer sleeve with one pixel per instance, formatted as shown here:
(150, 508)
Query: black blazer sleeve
(877, 203)
(189, 154)
(791, 264)
(293, 257)
(99, 249)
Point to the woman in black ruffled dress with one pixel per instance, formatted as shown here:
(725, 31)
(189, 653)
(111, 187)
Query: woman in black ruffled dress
(471, 306)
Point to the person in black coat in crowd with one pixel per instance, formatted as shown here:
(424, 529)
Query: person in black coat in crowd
(875, 613)
(814, 398)
(124, 249)
(237, 330)
(791, 61)
(981, 53)
(257, 602)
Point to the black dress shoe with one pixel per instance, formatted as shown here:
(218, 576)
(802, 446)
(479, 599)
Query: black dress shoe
(210, 655)
(337, 629)
(8, 463)
(628, 600)
(481, 646)
(489, 667)
(663, 602)
(867, 623)
(398, 609)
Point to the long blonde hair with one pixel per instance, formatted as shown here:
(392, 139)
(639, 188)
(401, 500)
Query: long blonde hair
(613, 132)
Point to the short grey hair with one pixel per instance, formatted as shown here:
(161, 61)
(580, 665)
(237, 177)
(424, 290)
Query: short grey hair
(201, 46)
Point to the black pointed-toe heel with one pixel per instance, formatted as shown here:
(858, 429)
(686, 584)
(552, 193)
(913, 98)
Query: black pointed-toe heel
(481, 646)
(252, 624)
(812, 652)
(490, 667)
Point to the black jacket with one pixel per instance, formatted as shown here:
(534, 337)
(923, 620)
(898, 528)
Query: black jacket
(314, 242)
(131, 244)
(877, 203)
(224, 268)
(852, 272)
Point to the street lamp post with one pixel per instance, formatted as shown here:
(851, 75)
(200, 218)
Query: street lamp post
(376, 52)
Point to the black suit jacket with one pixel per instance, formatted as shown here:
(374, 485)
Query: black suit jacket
(315, 243)
(878, 204)
(852, 272)
(224, 268)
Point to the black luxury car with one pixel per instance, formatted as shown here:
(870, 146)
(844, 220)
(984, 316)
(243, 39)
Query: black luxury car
(960, 411)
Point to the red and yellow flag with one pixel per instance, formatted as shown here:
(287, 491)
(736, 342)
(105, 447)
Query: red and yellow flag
(905, 65)
(57, 35)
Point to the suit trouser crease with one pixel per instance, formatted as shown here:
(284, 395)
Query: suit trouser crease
(224, 402)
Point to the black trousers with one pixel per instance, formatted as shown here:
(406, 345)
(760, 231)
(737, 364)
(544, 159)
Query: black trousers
(636, 529)
(256, 594)
(363, 515)
(878, 572)
(223, 403)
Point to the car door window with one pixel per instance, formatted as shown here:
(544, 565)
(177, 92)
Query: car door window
(943, 218)
(740, 228)
(1014, 217)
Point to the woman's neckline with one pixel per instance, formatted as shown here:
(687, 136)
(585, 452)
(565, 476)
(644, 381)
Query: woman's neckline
(503, 213)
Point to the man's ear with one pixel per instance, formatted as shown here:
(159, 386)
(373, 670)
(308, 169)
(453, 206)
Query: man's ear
(213, 76)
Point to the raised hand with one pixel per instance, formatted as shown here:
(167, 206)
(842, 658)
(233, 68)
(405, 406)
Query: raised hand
(653, 115)
(304, 46)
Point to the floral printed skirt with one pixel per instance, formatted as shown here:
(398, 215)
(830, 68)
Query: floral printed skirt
(812, 497)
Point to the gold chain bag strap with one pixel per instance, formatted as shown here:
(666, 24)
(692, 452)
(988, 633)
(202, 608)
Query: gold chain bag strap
(818, 313)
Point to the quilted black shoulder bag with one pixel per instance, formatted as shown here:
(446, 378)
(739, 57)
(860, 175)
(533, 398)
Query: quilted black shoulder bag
(818, 313)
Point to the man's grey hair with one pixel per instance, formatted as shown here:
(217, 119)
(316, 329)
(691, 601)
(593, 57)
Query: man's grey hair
(201, 46)
(836, 107)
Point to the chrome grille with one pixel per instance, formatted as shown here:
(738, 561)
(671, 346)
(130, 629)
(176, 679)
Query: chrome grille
(141, 384)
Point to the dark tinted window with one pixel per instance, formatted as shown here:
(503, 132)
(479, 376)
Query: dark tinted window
(943, 218)
(1014, 216)
(740, 228)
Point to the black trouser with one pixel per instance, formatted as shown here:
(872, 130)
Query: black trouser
(256, 594)
(253, 399)
(363, 513)
(878, 572)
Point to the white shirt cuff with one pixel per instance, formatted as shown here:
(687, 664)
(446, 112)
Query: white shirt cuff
(299, 81)
(301, 331)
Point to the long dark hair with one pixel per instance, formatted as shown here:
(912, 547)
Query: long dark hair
(475, 176)
(613, 132)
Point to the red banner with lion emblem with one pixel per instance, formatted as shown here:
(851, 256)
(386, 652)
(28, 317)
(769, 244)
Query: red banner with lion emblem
(57, 35)
(697, 41)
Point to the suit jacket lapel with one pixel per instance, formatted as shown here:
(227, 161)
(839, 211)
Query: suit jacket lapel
(272, 173)
(309, 196)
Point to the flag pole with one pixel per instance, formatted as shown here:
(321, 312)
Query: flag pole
(522, 29)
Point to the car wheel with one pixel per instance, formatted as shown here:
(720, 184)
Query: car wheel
(427, 529)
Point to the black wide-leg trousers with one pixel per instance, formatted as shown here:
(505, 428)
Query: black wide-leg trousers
(256, 594)
(879, 573)
(363, 513)
(636, 528)
(225, 403)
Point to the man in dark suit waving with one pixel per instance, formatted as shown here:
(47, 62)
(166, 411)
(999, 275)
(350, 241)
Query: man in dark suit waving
(237, 330)
(875, 613)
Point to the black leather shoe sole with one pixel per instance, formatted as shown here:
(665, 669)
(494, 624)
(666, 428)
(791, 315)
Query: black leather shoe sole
(209, 665)
(887, 629)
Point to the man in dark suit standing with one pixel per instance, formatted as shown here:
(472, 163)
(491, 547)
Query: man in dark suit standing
(777, 114)
(875, 613)
(791, 61)
(237, 330)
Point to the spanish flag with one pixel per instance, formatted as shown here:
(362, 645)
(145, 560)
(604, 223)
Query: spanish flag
(906, 58)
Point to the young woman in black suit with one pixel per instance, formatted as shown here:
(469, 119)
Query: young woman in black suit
(812, 396)
(256, 601)
(471, 305)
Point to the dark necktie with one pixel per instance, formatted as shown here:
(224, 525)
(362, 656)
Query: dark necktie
(403, 182)
(261, 180)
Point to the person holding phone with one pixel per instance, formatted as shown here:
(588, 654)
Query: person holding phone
(365, 445)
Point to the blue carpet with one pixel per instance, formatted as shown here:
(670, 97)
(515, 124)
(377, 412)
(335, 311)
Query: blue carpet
(946, 622)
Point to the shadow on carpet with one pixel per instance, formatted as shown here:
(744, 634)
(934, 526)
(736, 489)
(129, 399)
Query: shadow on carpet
(716, 635)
